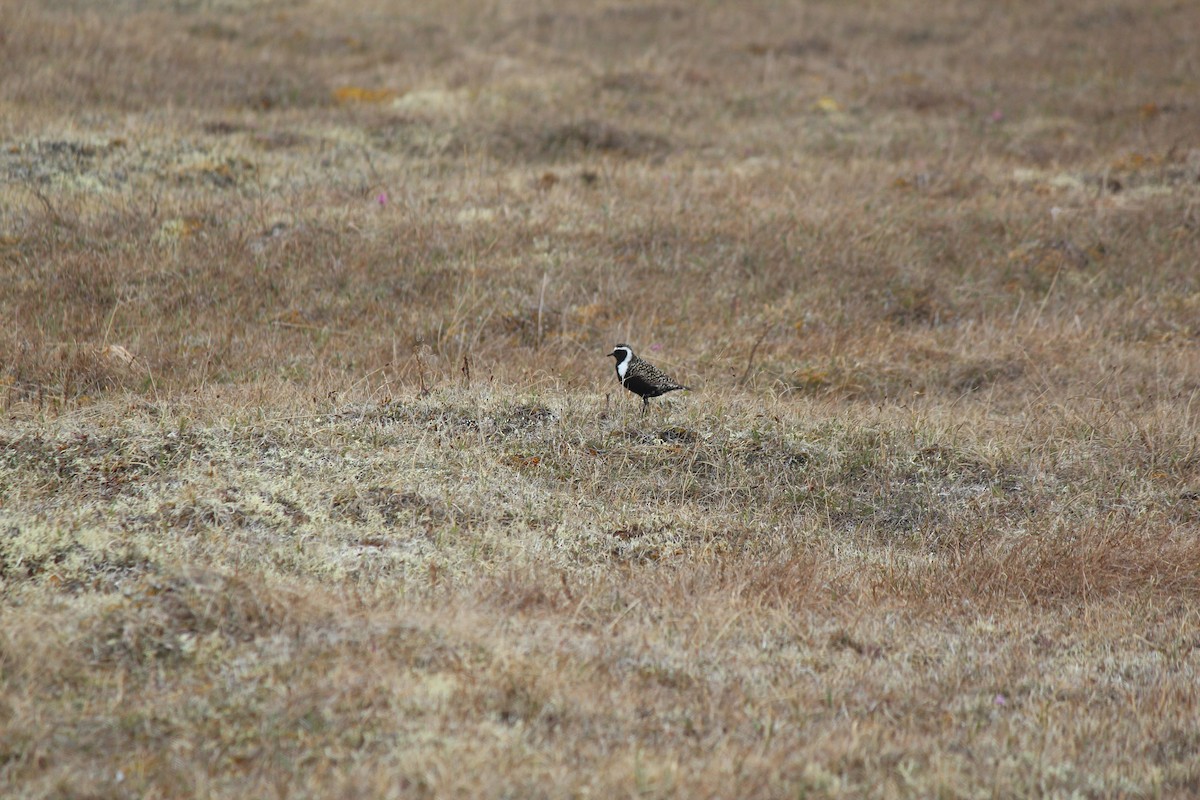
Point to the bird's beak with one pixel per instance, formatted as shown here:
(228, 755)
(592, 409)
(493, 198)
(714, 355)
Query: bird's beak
(613, 353)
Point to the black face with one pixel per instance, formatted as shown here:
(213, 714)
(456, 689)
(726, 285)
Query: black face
(619, 352)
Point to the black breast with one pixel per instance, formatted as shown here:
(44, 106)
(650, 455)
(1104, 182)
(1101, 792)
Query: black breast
(637, 385)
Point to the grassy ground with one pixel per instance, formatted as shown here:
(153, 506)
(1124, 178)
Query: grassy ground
(314, 479)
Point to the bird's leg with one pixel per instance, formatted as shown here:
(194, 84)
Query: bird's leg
(645, 405)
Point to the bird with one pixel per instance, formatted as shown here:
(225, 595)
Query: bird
(641, 377)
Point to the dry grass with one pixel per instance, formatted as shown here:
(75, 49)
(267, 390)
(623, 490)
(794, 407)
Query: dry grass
(314, 480)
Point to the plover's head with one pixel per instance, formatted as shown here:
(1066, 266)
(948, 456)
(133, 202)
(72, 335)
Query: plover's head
(623, 353)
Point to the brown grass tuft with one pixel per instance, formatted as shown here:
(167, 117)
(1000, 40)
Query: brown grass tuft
(1118, 559)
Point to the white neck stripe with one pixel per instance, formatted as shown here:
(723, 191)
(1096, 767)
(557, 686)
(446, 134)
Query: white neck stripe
(623, 365)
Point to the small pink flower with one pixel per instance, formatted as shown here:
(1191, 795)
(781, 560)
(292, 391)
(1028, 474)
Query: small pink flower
(1001, 700)
(382, 199)
(997, 115)
(655, 348)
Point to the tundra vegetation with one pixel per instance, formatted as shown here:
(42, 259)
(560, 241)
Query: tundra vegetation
(315, 480)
